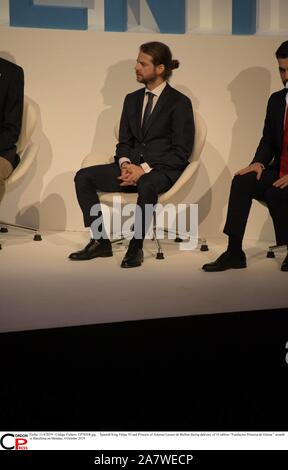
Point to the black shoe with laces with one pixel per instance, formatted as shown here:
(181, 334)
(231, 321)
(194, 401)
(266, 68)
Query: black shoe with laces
(227, 260)
(94, 249)
(134, 256)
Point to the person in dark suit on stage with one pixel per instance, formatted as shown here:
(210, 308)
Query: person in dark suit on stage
(156, 138)
(265, 179)
(11, 110)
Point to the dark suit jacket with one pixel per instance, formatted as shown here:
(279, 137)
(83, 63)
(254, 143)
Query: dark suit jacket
(168, 140)
(270, 146)
(11, 108)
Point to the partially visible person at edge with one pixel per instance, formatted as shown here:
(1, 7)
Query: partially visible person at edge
(11, 111)
(264, 179)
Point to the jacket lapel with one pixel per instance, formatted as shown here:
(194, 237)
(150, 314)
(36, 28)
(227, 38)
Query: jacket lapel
(138, 112)
(158, 107)
(281, 117)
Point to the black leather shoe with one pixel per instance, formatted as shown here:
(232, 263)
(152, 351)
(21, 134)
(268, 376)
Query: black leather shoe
(284, 265)
(94, 249)
(133, 258)
(225, 261)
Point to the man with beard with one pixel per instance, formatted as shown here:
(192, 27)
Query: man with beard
(156, 138)
(265, 179)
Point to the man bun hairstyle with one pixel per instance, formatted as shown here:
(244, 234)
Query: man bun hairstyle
(175, 64)
(161, 54)
(282, 51)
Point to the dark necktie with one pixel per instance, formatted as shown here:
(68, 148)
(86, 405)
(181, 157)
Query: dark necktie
(284, 154)
(148, 109)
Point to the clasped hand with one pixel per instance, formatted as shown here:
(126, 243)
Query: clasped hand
(130, 174)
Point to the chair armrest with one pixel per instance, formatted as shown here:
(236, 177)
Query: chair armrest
(95, 158)
(180, 183)
(26, 160)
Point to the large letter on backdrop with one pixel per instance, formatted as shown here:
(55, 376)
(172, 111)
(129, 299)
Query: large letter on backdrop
(116, 15)
(169, 15)
(24, 13)
(244, 16)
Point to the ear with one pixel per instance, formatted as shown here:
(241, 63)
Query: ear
(160, 69)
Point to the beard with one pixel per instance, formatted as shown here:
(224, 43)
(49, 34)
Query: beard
(148, 79)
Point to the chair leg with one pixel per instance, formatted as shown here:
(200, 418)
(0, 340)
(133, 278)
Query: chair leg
(270, 252)
(118, 241)
(122, 236)
(201, 241)
(204, 246)
(160, 254)
(37, 236)
(178, 239)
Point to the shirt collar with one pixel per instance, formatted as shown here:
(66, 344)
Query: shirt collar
(158, 90)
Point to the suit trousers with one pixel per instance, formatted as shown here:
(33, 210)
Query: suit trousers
(5, 171)
(104, 178)
(244, 189)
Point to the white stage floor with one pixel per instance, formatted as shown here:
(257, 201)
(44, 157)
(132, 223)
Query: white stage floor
(41, 288)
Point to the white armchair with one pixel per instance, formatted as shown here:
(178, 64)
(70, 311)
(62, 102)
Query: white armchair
(168, 196)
